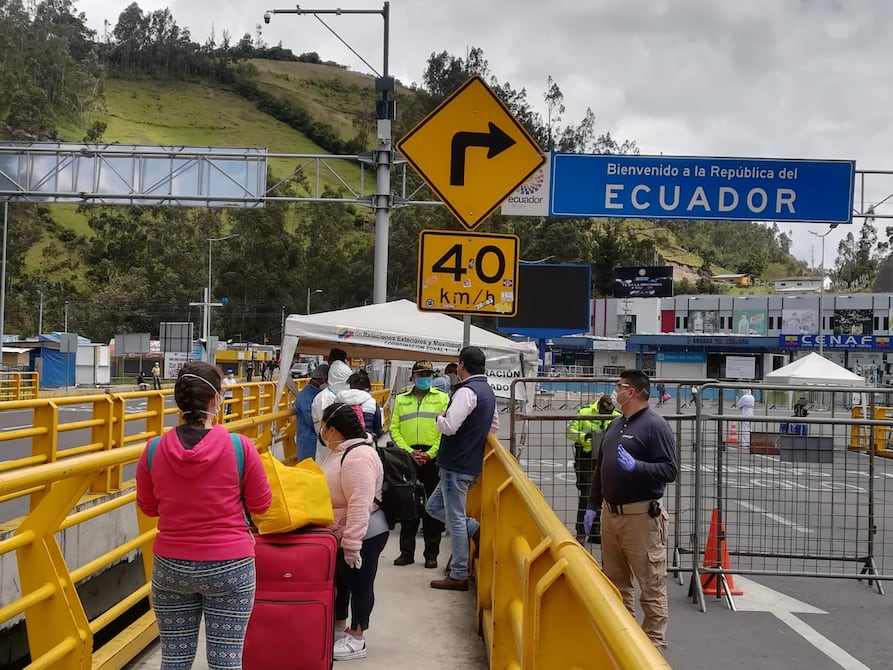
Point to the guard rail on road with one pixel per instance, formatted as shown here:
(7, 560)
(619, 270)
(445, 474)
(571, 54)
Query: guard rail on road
(539, 592)
(19, 385)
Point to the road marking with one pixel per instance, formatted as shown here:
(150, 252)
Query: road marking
(820, 642)
(759, 598)
(775, 517)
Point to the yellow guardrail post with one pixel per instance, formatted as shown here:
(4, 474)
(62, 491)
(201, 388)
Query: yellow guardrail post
(63, 620)
(45, 444)
(102, 433)
(383, 398)
(155, 408)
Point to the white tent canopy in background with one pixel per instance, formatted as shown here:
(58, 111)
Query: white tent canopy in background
(399, 331)
(814, 370)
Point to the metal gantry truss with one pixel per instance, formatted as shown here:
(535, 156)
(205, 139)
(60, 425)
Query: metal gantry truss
(236, 177)
(111, 174)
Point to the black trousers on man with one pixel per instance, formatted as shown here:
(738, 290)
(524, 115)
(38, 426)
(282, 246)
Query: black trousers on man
(584, 469)
(432, 529)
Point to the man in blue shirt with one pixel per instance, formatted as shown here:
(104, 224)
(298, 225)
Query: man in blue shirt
(306, 431)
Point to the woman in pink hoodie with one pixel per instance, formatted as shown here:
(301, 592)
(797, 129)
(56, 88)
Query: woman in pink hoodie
(204, 551)
(354, 474)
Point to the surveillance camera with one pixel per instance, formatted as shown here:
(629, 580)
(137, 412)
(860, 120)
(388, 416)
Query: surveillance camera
(267, 17)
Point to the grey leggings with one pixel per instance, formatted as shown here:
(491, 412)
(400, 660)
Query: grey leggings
(184, 590)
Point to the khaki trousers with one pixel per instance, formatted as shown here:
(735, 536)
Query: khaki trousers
(636, 544)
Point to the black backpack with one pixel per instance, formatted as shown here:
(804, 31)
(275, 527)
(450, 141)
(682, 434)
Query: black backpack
(402, 494)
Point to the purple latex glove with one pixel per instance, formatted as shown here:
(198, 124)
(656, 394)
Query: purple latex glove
(626, 461)
(589, 517)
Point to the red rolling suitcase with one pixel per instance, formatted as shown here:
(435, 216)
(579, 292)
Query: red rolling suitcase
(291, 625)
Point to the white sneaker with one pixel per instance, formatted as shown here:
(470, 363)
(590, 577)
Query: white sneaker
(348, 648)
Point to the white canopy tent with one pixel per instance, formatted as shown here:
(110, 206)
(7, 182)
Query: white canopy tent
(814, 370)
(399, 331)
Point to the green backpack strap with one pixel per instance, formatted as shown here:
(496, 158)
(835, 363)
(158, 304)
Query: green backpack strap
(240, 455)
(151, 453)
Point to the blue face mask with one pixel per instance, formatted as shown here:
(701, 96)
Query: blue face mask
(424, 383)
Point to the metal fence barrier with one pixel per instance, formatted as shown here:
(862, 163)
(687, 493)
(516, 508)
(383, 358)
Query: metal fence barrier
(804, 497)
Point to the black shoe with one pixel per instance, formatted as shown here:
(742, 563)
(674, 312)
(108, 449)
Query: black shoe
(430, 563)
(403, 559)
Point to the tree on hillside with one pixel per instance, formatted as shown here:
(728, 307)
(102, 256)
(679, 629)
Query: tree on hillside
(857, 261)
(47, 68)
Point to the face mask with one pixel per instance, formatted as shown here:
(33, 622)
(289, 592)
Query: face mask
(424, 383)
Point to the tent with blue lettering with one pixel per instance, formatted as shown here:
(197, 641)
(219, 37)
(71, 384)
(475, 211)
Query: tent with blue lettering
(397, 330)
(814, 370)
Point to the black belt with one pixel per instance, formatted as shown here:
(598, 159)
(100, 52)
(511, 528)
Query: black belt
(638, 507)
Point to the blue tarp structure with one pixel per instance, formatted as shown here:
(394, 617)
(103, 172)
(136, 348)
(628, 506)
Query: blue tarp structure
(58, 369)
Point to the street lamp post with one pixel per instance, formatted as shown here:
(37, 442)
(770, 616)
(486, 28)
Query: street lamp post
(382, 157)
(309, 293)
(206, 303)
(822, 291)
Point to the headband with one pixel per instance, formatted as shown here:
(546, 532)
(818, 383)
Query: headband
(189, 374)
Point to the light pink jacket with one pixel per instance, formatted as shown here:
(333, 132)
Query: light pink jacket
(354, 487)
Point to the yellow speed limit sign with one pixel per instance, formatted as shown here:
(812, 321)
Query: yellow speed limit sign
(468, 273)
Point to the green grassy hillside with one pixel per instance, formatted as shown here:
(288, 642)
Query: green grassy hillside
(193, 114)
(344, 99)
(154, 112)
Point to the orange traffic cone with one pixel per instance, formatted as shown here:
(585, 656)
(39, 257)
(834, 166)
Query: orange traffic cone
(733, 433)
(714, 584)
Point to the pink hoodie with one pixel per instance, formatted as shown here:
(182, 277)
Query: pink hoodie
(195, 495)
(353, 486)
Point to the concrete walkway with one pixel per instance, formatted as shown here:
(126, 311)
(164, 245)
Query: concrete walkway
(413, 625)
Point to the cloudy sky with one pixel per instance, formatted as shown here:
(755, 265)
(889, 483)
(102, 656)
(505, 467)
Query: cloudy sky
(762, 78)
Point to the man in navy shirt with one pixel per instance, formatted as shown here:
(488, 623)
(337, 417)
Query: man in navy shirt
(635, 463)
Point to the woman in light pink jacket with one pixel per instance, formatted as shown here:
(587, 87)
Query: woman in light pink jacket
(354, 475)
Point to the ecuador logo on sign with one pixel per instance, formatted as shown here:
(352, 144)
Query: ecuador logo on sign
(472, 152)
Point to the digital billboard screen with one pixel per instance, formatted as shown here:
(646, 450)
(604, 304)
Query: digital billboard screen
(643, 282)
(551, 297)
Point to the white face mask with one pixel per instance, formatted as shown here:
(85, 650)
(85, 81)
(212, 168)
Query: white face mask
(330, 444)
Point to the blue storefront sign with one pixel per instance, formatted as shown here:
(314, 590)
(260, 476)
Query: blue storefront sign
(835, 341)
(720, 189)
(681, 357)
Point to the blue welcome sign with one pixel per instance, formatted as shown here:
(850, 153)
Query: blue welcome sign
(724, 189)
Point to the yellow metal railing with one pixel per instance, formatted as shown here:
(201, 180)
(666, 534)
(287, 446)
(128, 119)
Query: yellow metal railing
(860, 436)
(19, 385)
(72, 487)
(539, 592)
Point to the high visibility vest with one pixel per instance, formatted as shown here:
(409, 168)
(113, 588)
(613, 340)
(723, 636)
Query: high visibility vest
(414, 420)
(579, 430)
